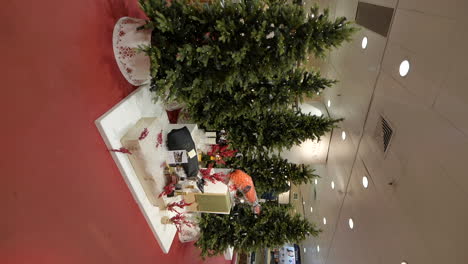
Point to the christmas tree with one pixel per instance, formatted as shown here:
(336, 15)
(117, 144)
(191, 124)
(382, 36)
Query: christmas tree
(272, 173)
(266, 96)
(247, 232)
(234, 65)
(275, 131)
(227, 46)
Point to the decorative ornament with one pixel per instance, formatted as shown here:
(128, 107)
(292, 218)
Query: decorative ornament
(179, 220)
(181, 204)
(168, 189)
(159, 140)
(143, 134)
(232, 188)
(122, 150)
(270, 35)
(206, 175)
(220, 153)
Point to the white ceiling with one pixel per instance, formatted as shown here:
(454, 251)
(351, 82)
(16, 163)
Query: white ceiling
(423, 216)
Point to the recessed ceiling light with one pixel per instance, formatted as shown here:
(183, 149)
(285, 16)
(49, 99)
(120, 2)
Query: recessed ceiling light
(315, 181)
(332, 185)
(404, 68)
(305, 250)
(365, 182)
(318, 248)
(311, 209)
(364, 43)
(351, 223)
(404, 262)
(324, 221)
(303, 202)
(343, 135)
(329, 103)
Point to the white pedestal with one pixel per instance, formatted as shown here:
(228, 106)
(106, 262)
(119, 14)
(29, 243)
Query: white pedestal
(229, 254)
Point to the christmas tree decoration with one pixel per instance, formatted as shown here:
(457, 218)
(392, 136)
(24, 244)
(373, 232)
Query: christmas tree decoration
(246, 231)
(218, 155)
(179, 220)
(168, 189)
(227, 46)
(121, 150)
(236, 67)
(180, 204)
(207, 175)
(159, 139)
(143, 134)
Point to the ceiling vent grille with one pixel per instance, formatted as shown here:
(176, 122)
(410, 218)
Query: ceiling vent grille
(385, 133)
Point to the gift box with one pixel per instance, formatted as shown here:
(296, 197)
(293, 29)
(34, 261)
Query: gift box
(216, 199)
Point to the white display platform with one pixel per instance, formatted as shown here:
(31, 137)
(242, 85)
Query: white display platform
(229, 254)
(113, 125)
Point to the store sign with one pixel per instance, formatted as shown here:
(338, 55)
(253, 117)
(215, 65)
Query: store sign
(287, 255)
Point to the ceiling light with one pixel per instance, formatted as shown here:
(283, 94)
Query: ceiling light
(333, 185)
(364, 43)
(324, 221)
(311, 209)
(365, 182)
(315, 181)
(329, 103)
(351, 223)
(303, 203)
(404, 262)
(343, 135)
(404, 68)
(318, 248)
(305, 250)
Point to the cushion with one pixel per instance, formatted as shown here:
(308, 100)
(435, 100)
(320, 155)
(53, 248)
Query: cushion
(180, 139)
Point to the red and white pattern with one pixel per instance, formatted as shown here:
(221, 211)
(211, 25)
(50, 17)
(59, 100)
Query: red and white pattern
(134, 65)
